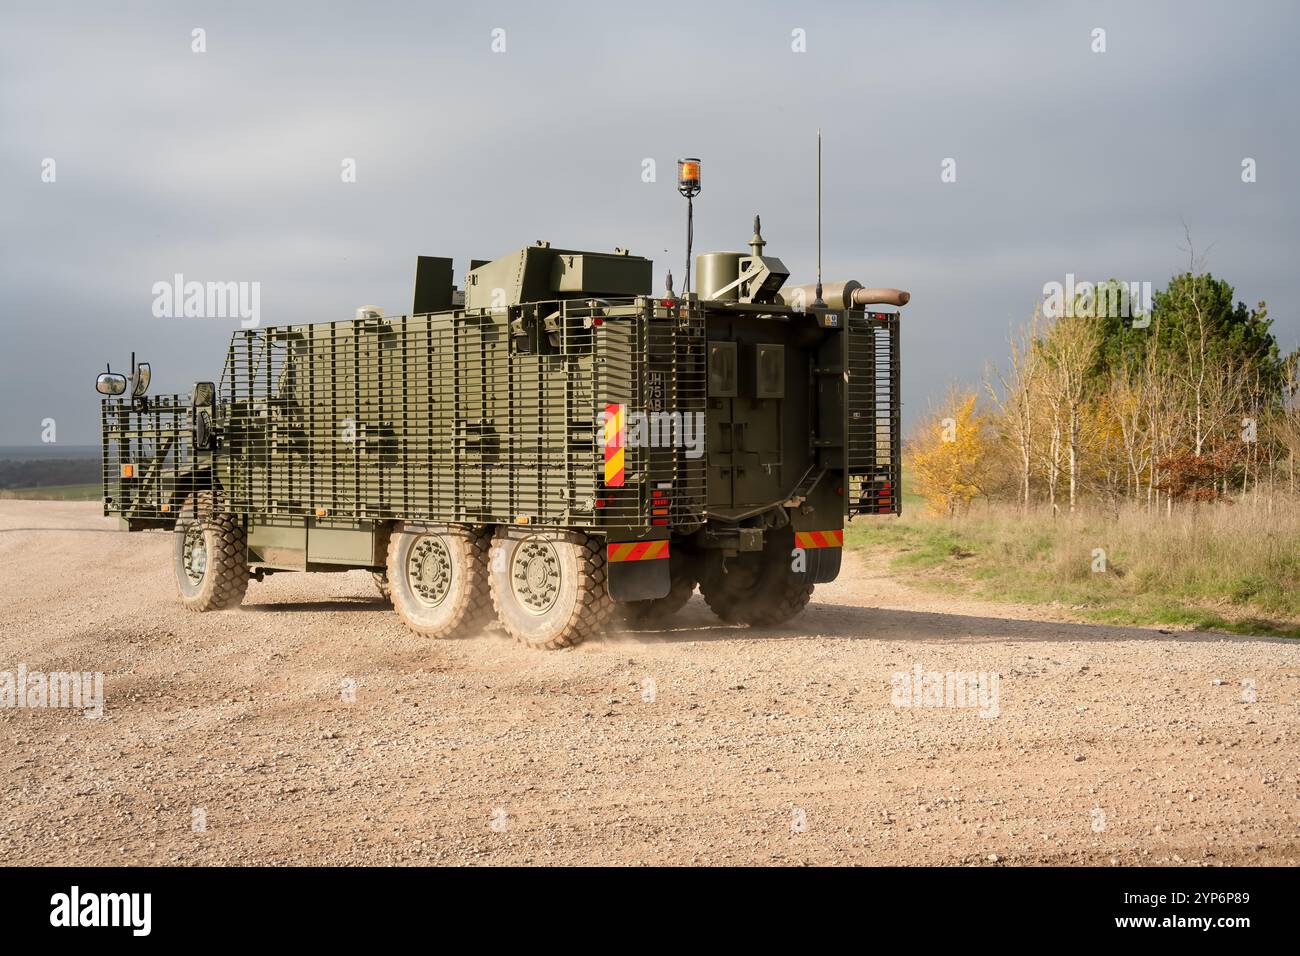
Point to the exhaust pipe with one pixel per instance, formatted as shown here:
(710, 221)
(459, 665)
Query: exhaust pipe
(881, 297)
(843, 295)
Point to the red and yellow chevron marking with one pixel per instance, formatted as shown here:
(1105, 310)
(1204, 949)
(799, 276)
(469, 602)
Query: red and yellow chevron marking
(636, 550)
(819, 539)
(615, 439)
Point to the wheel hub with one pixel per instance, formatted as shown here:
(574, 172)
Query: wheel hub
(535, 575)
(428, 570)
(194, 556)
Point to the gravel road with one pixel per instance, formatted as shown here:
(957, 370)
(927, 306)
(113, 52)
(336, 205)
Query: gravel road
(308, 727)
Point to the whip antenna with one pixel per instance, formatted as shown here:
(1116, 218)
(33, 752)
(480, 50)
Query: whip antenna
(818, 303)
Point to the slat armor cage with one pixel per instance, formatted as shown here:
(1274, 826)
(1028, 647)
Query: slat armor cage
(148, 457)
(874, 453)
(477, 417)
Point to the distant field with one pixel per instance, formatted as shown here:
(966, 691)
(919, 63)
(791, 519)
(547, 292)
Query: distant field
(55, 493)
(42, 452)
(52, 472)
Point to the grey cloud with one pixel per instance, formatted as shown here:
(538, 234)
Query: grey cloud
(225, 165)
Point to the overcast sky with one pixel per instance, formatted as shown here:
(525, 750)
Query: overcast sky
(225, 165)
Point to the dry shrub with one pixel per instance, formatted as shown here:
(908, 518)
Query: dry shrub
(1247, 553)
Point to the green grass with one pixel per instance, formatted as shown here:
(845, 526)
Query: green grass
(1233, 569)
(56, 493)
(911, 500)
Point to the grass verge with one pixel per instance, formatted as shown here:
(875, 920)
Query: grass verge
(1224, 568)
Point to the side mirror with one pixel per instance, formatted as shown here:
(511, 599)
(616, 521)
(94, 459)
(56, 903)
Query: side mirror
(110, 383)
(203, 393)
(140, 380)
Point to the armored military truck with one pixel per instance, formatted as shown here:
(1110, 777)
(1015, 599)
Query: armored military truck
(550, 446)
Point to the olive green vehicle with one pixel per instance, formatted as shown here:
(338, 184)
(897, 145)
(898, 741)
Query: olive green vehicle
(551, 446)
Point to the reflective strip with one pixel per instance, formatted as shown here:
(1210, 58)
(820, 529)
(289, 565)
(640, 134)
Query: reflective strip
(615, 438)
(819, 539)
(636, 550)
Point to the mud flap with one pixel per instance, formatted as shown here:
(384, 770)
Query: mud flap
(637, 580)
(823, 564)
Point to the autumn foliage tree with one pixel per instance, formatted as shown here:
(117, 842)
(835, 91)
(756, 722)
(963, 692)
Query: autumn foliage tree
(949, 455)
(1189, 402)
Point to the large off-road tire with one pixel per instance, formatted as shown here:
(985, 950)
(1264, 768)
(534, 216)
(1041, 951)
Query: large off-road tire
(437, 578)
(209, 556)
(657, 611)
(382, 586)
(757, 588)
(548, 587)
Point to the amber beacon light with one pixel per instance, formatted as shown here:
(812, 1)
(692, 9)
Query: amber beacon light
(688, 177)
